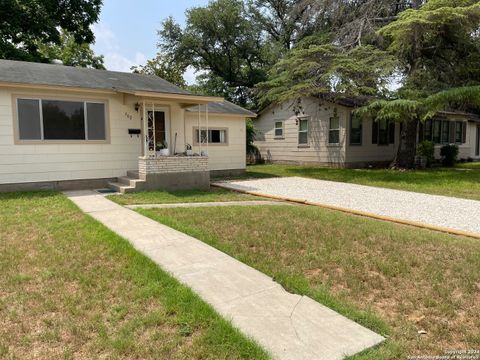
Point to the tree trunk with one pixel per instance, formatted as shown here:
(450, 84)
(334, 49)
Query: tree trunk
(405, 158)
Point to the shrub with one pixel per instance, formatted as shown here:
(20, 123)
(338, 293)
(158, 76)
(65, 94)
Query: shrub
(449, 154)
(426, 148)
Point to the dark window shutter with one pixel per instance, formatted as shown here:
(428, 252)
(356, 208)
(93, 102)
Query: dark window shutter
(464, 132)
(451, 132)
(391, 132)
(374, 132)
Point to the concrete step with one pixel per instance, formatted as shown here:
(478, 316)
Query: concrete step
(130, 181)
(133, 174)
(121, 188)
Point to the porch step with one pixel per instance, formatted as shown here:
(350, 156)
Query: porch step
(121, 188)
(129, 183)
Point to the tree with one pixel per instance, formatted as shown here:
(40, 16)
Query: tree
(25, 24)
(164, 67)
(71, 53)
(438, 47)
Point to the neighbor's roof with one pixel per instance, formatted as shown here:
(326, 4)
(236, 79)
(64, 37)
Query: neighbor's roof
(225, 107)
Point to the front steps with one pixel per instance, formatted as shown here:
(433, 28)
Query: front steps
(128, 184)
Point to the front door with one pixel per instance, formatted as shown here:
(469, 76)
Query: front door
(160, 128)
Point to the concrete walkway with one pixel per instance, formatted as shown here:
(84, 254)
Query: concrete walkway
(208, 204)
(288, 326)
(460, 216)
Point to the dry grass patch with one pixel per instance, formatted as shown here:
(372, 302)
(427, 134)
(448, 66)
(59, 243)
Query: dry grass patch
(395, 279)
(69, 288)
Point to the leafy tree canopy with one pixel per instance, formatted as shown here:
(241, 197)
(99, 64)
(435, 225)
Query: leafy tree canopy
(25, 24)
(71, 53)
(164, 67)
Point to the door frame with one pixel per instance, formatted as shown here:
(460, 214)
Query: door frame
(158, 107)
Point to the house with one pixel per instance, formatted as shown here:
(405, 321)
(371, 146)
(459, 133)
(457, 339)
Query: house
(66, 127)
(322, 130)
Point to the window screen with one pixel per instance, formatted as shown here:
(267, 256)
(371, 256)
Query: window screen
(278, 128)
(355, 130)
(29, 124)
(303, 131)
(334, 130)
(96, 121)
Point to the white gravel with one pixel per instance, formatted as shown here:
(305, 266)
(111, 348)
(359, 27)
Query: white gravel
(453, 213)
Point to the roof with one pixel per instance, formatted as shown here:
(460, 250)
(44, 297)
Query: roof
(22, 72)
(225, 107)
(348, 101)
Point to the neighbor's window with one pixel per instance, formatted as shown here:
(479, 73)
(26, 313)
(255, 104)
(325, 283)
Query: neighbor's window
(279, 129)
(445, 131)
(303, 131)
(355, 130)
(40, 119)
(215, 136)
(334, 130)
(383, 132)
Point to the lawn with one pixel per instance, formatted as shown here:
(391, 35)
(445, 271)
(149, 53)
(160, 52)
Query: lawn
(462, 181)
(185, 196)
(396, 280)
(70, 288)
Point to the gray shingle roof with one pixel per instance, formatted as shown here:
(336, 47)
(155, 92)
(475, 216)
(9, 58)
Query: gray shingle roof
(60, 75)
(225, 107)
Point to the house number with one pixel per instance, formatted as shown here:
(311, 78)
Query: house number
(128, 116)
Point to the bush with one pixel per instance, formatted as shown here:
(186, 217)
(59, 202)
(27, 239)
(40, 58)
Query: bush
(449, 154)
(426, 148)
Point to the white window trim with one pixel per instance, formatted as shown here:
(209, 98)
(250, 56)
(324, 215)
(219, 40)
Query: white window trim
(307, 119)
(282, 136)
(334, 129)
(196, 132)
(16, 123)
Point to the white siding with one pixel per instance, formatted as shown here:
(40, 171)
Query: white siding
(52, 162)
(230, 156)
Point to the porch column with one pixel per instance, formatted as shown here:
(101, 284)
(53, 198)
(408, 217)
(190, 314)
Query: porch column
(206, 120)
(145, 129)
(199, 133)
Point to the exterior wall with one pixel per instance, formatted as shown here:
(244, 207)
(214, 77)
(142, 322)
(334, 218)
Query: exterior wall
(371, 153)
(230, 156)
(472, 139)
(24, 163)
(287, 149)
(319, 150)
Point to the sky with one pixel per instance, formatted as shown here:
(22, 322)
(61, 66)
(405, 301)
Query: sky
(126, 34)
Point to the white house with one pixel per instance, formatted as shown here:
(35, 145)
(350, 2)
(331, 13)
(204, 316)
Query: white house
(323, 131)
(65, 127)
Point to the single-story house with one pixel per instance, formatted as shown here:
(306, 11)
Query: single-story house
(65, 127)
(319, 130)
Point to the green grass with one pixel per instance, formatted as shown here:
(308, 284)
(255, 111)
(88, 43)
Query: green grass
(462, 182)
(185, 196)
(70, 288)
(394, 279)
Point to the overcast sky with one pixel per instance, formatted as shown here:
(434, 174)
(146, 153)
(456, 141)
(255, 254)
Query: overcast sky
(127, 31)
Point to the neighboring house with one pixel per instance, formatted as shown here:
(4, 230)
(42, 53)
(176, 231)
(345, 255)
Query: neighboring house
(319, 131)
(66, 127)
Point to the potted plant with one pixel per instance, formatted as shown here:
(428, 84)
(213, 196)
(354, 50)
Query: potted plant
(188, 150)
(162, 148)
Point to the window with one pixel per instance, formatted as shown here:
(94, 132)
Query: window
(303, 131)
(355, 130)
(279, 129)
(445, 131)
(215, 136)
(383, 132)
(334, 130)
(40, 119)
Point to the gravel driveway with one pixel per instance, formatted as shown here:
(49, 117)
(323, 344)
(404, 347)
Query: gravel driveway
(443, 211)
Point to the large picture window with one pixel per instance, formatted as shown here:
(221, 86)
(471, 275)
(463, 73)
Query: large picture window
(42, 119)
(383, 132)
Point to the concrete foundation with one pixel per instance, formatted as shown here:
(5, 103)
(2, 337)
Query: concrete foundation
(227, 172)
(84, 184)
(199, 180)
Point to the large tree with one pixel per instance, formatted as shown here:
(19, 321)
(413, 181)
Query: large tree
(72, 53)
(25, 24)
(164, 67)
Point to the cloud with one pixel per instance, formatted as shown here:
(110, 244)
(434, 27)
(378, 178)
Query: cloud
(107, 44)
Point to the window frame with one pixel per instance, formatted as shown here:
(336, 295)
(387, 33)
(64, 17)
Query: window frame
(275, 136)
(330, 129)
(300, 119)
(450, 124)
(84, 100)
(196, 131)
(350, 132)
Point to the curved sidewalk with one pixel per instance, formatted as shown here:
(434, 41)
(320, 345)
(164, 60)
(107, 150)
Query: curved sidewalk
(442, 213)
(288, 326)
